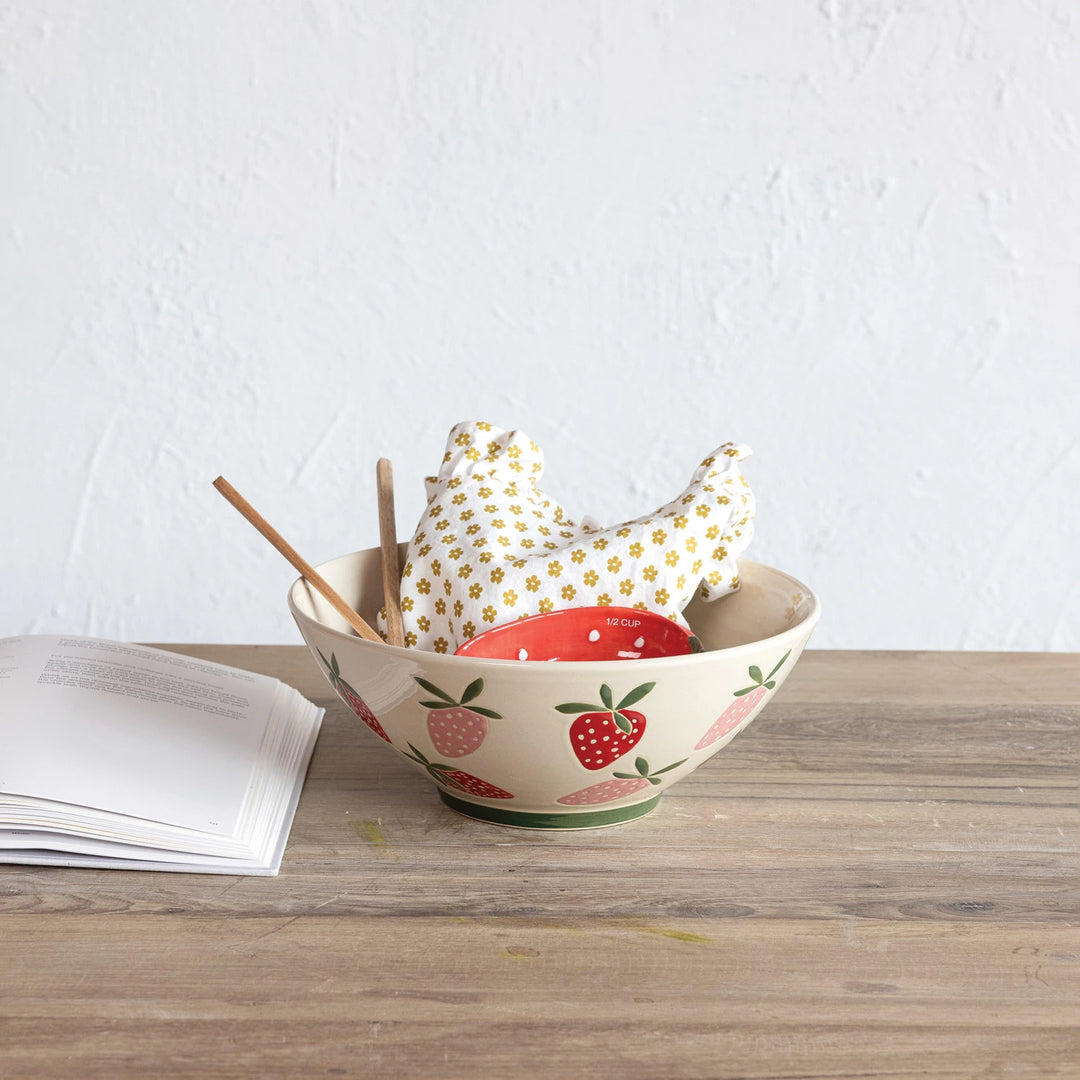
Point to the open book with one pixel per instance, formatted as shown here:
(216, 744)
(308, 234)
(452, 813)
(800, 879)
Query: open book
(116, 755)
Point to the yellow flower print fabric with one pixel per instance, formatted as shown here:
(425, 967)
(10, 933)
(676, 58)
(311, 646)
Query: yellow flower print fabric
(491, 547)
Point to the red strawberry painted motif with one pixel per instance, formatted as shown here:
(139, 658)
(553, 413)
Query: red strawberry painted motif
(746, 701)
(454, 730)
(603, 733)
(351, 697)
(456, 779)
(619, 787)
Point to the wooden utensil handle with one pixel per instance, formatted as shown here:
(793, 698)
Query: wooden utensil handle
(391, 575)
(301, 565)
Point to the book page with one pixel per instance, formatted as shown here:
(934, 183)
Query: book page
(129, 729)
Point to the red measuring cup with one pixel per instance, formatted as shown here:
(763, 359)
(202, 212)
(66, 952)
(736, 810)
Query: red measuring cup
(584, 633)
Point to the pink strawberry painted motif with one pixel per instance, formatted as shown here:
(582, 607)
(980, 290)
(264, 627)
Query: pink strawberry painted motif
(746, 701)
(454, 729)
(601, 734)
(351, 698)
(619, 786)
(458, 780)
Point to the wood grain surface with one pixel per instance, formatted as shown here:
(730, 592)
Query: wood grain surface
(879, 878)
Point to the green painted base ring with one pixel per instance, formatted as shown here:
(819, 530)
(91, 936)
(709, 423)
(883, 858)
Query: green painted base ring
(523, 819)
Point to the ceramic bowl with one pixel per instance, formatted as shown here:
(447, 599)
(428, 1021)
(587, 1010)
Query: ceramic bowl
(566, 745)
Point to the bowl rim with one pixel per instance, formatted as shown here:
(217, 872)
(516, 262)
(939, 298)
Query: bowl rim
(801, 629)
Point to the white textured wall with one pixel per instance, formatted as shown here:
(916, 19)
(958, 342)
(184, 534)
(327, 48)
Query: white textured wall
(277, 240)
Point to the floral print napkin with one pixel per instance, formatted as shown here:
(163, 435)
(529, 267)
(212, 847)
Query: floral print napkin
(491, 547)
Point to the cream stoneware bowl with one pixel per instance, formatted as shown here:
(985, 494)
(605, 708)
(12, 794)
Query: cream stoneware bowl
(560, 745)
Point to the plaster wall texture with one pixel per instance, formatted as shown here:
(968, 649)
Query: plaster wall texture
(279, 240)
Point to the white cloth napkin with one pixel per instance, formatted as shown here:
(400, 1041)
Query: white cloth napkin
(491, 547)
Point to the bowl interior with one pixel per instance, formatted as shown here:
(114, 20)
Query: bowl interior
(769, 601)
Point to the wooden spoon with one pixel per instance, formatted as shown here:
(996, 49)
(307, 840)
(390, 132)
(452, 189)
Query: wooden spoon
(391, 575)
(305, 569)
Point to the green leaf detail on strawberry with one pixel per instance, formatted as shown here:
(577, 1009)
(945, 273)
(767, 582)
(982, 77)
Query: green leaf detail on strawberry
(456, 779)
(351, 697)
(620, 786)
(602, 733)
(455, 730)
(746, 702)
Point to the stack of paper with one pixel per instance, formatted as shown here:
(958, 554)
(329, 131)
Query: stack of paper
(117, 755)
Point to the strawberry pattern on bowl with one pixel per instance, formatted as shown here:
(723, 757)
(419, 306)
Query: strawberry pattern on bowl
(746, 703)
(456, 730)
(351, 698)
(603, 733)
(566, 745)
(620, 786)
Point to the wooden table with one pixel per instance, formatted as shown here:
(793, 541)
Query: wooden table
(879, 878)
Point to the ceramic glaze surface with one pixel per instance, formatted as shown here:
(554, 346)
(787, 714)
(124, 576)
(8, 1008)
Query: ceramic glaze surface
(575, 744)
